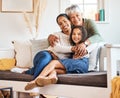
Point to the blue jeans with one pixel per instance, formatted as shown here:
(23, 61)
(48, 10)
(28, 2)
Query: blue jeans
(41, 59)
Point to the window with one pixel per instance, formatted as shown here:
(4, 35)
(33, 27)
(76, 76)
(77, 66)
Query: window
(93, 9)
(88, 7)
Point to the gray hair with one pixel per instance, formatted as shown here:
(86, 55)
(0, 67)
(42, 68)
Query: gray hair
(73, 8)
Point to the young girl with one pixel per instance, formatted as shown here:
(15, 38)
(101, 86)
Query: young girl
(78, 35)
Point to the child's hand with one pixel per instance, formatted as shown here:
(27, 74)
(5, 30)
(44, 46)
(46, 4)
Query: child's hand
(78, 56)
(81, 50)
(75, 56)
(74, 48)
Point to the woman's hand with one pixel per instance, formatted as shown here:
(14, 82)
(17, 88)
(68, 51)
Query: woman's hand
(52, 39)
(74, 49)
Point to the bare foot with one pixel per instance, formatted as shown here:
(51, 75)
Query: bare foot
(45, 81)
(30, 85)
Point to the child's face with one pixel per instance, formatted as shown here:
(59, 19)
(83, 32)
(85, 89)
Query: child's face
(76, 35)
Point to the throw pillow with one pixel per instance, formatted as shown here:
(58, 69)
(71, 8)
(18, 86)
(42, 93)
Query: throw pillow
(7, 63)
(38, 45)
(23, 53)
(93, 58)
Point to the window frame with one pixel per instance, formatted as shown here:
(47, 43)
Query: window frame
(63, 4)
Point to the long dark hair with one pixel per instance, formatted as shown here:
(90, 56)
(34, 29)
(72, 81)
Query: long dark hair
(62, 14)
(84, 34)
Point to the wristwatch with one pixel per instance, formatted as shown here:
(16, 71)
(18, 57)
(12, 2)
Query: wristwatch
(86, 43)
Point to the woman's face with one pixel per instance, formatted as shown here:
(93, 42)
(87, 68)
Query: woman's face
(76, 35)
(64, 24)
(76, 18)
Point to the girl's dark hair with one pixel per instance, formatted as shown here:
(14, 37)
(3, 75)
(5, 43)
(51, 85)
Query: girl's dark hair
(84, 34)
(64, 15)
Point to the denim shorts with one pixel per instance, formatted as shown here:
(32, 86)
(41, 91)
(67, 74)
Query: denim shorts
(75, 65)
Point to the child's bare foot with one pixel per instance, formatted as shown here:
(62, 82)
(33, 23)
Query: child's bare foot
(42, 81)
(30, 85)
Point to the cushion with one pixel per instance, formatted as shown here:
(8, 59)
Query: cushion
(26, 50)
(7, 63)
(94, 57)
(23, 54)
(98, 79)
(38, 45)
(7, 75)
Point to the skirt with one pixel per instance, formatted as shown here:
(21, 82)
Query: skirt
(75, 65)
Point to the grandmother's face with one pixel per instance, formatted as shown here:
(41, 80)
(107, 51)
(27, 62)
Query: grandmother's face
(76, 19)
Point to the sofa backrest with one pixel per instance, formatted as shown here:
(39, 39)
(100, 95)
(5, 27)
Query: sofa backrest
(95, 59)
(102, 58)
(25, 51)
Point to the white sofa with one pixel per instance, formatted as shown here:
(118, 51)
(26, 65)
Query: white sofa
(75, 91)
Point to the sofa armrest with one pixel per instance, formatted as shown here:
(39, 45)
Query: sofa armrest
(113, 55)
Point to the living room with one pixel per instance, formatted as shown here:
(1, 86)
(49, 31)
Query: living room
(15, 26)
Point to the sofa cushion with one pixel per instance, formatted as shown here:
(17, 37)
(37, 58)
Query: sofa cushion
(26, 49)
(98, 79)
(38, 45)
(7, 75)
(23, 54)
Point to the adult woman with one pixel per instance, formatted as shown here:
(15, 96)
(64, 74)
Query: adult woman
(76, 19)
(62, 49)
(42, 58)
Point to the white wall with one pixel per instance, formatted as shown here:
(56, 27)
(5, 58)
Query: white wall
(13, 25)
(110, 32)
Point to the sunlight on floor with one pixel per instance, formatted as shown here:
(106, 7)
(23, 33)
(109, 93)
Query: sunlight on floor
(48, 96)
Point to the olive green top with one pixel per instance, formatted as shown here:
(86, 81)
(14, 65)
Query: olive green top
(93, 34)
